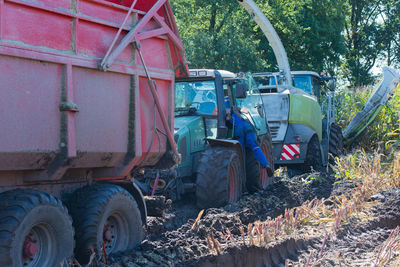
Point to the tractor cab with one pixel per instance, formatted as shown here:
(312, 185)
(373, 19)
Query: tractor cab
(208, 93)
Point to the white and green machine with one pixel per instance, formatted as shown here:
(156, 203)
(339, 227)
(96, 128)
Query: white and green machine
(303, 133)
(300, 108)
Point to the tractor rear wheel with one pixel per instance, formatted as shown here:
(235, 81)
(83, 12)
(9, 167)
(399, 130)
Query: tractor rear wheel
(106, 218)
(257, 177)
(219, 177)
(35, 229)
(335, 142)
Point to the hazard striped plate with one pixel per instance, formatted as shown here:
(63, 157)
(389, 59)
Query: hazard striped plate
(290, 151)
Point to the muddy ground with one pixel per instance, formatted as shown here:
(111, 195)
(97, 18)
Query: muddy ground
(172, 240)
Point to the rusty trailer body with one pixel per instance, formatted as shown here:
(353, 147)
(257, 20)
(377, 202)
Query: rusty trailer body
(86, 95)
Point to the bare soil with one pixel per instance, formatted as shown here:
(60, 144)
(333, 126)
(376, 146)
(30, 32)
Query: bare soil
(172, 240)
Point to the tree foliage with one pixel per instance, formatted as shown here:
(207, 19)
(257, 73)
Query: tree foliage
(220, 34)
(349, 36)
(372, 34)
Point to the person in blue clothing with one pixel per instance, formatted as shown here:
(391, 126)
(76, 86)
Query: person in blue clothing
(244, 133)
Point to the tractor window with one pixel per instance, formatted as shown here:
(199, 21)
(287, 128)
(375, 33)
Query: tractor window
(199, 96)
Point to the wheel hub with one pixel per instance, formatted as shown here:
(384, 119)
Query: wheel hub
(29, 249)
(109, 235)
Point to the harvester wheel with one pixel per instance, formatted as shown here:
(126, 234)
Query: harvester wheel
(219, 177)
(313, 159)
(106, 219)
(335, 142)
(35, 229)
(257, 177)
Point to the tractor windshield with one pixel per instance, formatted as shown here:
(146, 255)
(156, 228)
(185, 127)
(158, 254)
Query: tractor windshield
(195, 97)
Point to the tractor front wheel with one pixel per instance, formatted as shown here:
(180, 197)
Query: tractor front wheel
(219, 177)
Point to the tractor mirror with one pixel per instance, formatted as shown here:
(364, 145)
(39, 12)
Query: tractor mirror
(241, 89)
(331, 85)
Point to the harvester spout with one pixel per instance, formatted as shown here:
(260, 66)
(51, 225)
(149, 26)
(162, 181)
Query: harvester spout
(279, 50)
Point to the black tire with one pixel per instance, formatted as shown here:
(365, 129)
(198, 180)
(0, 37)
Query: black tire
(256, 177)
(313, 159)
(219, 177)
(335, 142)
(32, 219)
(105, 214)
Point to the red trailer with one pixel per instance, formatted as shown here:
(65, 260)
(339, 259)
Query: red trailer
(86, 96)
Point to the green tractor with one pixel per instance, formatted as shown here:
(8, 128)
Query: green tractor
(214, 165)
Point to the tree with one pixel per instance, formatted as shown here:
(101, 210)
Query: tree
(220, 34)
(371, 34)
(215, 35)
(390, 16)
(311, 31)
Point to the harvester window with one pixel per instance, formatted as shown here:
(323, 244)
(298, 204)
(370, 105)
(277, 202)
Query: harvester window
(303, 82)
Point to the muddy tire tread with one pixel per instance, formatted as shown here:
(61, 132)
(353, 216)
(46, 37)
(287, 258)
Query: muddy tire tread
(253, 166)
(212, 173)
(335, 142)
(86, 207)
(14, 206)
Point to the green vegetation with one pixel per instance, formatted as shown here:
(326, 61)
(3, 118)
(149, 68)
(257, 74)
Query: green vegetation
(341, 37)
(384, 132)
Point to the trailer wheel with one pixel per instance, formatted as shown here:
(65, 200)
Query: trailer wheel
(106, 218)
(313, 159)
(335, 142)
(35, 229)
(257, 177)
(219, 177)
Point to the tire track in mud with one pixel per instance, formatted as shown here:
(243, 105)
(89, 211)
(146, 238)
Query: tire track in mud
(182, 246)
(178, 246)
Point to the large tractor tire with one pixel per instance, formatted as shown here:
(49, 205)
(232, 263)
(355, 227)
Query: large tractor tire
(313, 159)
(335, 142)
(106, 218)
(35, 229)
(257, 177)
(219, 177)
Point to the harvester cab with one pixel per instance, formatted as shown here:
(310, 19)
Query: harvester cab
(214, 165)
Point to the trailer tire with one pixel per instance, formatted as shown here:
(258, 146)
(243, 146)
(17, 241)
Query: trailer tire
(313, 159)
(219, 177)
(335, 142)
(35, 229)
(257, 177)
(106, 217)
